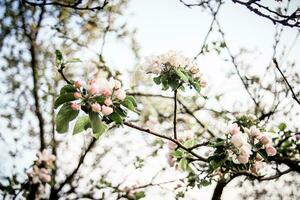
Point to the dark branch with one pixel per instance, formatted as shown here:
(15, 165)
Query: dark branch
(72, 6)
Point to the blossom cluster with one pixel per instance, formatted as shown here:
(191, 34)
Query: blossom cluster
(246, 141)
(41, 170)
(184, 136)
(109, 89)
(172, 60)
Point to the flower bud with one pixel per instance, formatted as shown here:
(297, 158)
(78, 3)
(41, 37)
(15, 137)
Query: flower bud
(108, 102)
(106, 110)
(78, 84)
(77, 95)
(243, 159)
(75, 106)
(120, 94)
(234, 129)
(264, 140)
(271, 151)
(254, 132)
(96, 107)
(237, 140)
(203, 83)
(93, 89)
(106, 92)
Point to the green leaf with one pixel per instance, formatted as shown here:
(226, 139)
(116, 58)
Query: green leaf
(116, 118)
(59, 56)
(68, 89)
(139, 195)
(82, 124)
(99, 99)
(177, 154)
(181, 74)
(282, 126)
(97, 125)
(183, 163)
(128, 104)
(61, 99)
(157, 80)
(132, 99)
(63, 118)
(204, 182)
(120, 111)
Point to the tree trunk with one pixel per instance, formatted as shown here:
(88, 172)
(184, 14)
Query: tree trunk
(219, 190)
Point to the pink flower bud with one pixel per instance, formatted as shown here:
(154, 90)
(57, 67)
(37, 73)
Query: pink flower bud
(46, 178)
(271, 151)
(234, 129)
(106, 110)
(237, 140)
(93, 89)
(106, 92)
(298, 136)
(194, 70)
(243, 159)
(44, 171)
(120, 94)
(254, 132)
(203, 83)
(77, 84)
(77, 95)
(256, 167)
(170, 160)
(108, 102)
(96, 107)
(172, 145)
(75, 106)
(117, 84)
(264, 140)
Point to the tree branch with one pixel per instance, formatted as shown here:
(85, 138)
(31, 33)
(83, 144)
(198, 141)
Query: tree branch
(72, 6)
(166, 138)
(286, 81)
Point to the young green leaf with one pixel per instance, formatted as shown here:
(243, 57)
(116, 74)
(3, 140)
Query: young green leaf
(82, 124)
(59, 56)
(181, 74)
(61, 99)
(116, 118)
(67, 89)
(63, 118)
(132, 99)
(72, 60)
(128, 104)
(98, 126)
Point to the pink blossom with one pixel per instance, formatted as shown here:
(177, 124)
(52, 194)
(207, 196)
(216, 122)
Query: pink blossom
(78, 84)
(256, 167)
(170, 160)
(203, 83)
(264, 140)
(271, 151)
(45, 178)
(254, 132)
(106, 92)
(96, 107)
(298, 136)
(237, 140)
(120, 94)
(117, 84)
(171, 145)
(108, 102)
(234, 129)
(75, 106)
(77, 95)
(93, 89)
(243, 159)
(106, 110)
